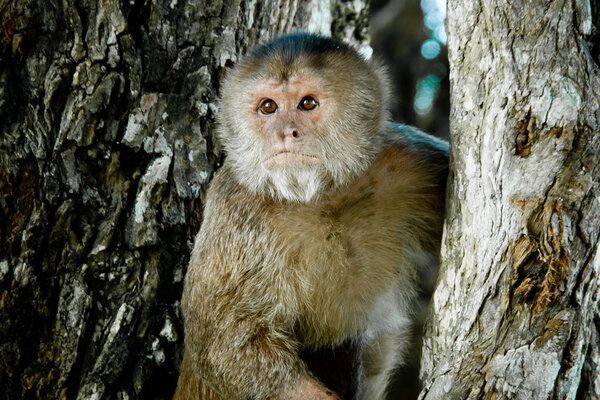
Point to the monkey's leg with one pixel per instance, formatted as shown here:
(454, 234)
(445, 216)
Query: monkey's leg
(380, 358)
(189, 386)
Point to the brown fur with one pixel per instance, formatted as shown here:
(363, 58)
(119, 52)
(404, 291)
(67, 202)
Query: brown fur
(272, 277)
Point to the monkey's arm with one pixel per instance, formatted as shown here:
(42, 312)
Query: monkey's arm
(239, 310)
(233, 339)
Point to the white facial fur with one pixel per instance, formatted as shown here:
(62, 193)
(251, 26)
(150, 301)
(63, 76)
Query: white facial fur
(342, 134)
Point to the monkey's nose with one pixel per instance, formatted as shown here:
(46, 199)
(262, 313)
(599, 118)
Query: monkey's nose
(291, 134)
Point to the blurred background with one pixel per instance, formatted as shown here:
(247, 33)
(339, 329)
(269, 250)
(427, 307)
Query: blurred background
(409, 36)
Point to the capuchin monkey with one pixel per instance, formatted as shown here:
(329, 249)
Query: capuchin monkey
(304, 276)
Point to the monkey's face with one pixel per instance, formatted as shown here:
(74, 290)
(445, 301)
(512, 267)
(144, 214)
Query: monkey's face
(287, 121)
(300, 134)
(288, 117)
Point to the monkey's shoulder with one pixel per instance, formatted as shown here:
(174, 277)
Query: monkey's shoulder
(401, 195)
(222, 184)
(228, 201)
(409, 161)
(234, 220)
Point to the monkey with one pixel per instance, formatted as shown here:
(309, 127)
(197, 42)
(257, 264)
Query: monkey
(315, 229)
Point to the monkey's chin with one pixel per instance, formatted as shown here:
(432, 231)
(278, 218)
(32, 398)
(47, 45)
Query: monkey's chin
(302, 185)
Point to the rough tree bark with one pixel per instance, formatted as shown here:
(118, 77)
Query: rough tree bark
(515, 312)
(105, 147)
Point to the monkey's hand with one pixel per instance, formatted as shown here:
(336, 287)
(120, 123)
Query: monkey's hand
(306, 388)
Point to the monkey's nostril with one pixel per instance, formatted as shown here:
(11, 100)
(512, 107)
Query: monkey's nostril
(295, 133)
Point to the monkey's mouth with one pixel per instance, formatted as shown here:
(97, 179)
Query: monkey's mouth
(288, 157)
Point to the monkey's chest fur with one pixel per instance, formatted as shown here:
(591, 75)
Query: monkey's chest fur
(350, 261)
(343, 263)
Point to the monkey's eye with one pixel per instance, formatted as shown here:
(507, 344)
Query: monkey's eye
(267, 106)
(307, 103)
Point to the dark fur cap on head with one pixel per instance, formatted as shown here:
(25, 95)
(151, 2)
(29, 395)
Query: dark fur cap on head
(283, 54)
(289, 47)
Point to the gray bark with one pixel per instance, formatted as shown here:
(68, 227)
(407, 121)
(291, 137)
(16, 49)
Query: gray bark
(515, 312)
(106, 111)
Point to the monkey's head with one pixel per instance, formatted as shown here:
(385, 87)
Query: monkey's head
(302, 116)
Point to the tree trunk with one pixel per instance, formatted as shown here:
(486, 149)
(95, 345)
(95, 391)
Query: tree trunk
(106, 111)
(515, 312)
